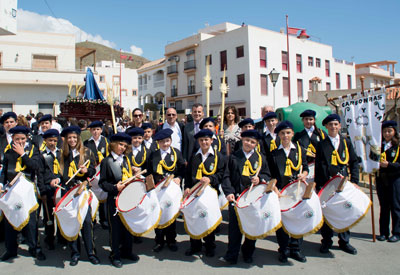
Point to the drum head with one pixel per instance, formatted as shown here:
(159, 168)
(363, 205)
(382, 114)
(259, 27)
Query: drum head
(329, 188)
(190, 198)
(67, 198)
(291, 197)
(246, 198)
(160, 184)
(131, 196)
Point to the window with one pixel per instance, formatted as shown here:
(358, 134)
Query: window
(328, 86)
(264, 84)
(349, 81)
(285, 83)
(178, 105)
(211, 85)
(310, 61)
(337, 81)
(102, 78)
(47, 62)
(115, 80)
(174, 90)
(103, 92)
(284, 61)
(124, 92)
(224, 62)
(239, 51)
(240, 79)
(317, 62)
(45, 108)
(242, 112)
(327, 68)
(298, 63)
(6, 107)
(263, 57)
(134, 92)
(300, 88)
(210, 56)
(211, 112)
(310, 85)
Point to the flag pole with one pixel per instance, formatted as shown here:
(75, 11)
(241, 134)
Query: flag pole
(207, 84)
(288, 62)
(120, 78)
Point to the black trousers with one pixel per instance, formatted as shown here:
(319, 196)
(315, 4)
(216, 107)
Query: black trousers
(235, 239)
(166, 235)
(327, 234)
(287, 244)
(48, 216)
(103, 212)
(30, 232)
(120, 238)
(209, 243)
(389, 201)
(87, 236)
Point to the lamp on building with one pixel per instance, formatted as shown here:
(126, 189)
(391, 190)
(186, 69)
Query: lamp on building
(303, 35)
(273, 76)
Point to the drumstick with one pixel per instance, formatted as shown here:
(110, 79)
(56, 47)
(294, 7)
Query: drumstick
(133, 177)
(311, 152)
(13, 181)
(201, 190)
(252, 184)
(80, 189)
(193, 188)
(49, 222)
(76, 173)
(168, 181)
(59, 186)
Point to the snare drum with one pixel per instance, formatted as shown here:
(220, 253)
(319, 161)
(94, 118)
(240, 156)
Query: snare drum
(258, 212)
(94, 204)
(139, 210)
(97, 190)
(300, 217)
(201, 214)
(223, 202)
(170, 199)
(343, 210)
(311, 172)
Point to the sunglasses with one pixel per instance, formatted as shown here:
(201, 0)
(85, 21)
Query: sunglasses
(171, 114)
(138, 115)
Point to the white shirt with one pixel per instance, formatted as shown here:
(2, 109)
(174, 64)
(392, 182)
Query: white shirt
(335, 141)
(53, 152)
(164, 153)
(287, 151)
(176, 135)
(148, 143)
(310, 131)
(205, 156)
(75, 153)
(197, 126)
(136, 150)
(97, 142)
(387, 145)
(56, 125)
(273, 135)
(9, 138)
(119, 159)
(249, 154)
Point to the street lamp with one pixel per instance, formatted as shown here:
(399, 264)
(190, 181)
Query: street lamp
(273, 76)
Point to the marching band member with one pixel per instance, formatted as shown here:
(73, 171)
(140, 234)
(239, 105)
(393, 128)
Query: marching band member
(9, 121)
(98, 144)
(20, 156)
(139, 155)
(240, 172)
(207, 165)
(270, 140)
(114, 169)
(388, 183)
(217, 143)
(45, 123)
(245, 125)
(166, 160)
(335, 155)
(285, 166)
(147, 137)
(73, 157)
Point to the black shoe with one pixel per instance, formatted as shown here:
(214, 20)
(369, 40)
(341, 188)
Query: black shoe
(104, 225)
(210, 253)
(6, 256)
(248, 260)
(348, 248)
(394, 239)
(382, 238)
(116, 262)
(172, 247)
(283, 258)
(227, 260)
(324, 249)
(296, 255)
(94, 260)
(40, 256)
(158, 247)
(191, 252)
(137, 240)
(74, 261)
(133, 257)
(50, 246)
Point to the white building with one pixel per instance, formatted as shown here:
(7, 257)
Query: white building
(108, 73)
(377, 74)
(35, 70)
(249, 54)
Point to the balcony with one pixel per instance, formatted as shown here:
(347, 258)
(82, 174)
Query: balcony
(157, 84)
(191, 90)
(174, 92)
(190, 65)
(172, 69)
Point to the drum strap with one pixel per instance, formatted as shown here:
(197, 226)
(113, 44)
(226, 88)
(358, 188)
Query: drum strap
(273, 145)
(202, 170)
(99, 154)
(162, 164)
(18, 165)
(383, 155)
(290, 165)
(336, 158)
(310, 149)
(126, 173)
(248, 169)
(143, 158)
(72, 169)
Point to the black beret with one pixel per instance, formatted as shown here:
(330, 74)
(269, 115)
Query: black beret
(7, 116)
(121, 137)
(19, 130)
(96, 124)
(308, 113)
(389, 123)
(204, 133)
(45, 118)
(330, 118)
(251, 134)
(164, 133)
(51, 133)
(270, 115)
(245, 122)
(286, 124)
(71, 129)
(146, 125)
(136, 131)
(206, 120)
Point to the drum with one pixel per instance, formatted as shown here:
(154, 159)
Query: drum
(342, 210)
(139, 210)
(300, 217)
(259, 214)
(201, 214)
(170, 199)
(223, 202)
(70, 213)
(18, 202)
(94, 204)
(97, 190)
(311, 172)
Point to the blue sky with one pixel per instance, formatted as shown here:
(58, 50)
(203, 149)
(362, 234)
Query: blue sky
(360, 31)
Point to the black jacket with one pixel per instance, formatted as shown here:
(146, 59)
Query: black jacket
(304, 139)
(102, 148)
(111, 174)
(46, 172)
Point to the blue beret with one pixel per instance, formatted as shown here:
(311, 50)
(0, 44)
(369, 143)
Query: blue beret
(146, 126)
(308, 113)
(245, 122)
(286, 124)
(206, 120)
(7, 116)
(71, 129)
(164, 133)
(45, 118)
(20, 130)
(204, 133)
(389, 123)
(135, 131)
(251, 134)
(270, 115)
(121, 137)
(51, 133)
(96, 124)
(330, 118)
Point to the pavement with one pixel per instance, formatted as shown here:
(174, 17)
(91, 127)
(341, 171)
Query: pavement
(372, 258)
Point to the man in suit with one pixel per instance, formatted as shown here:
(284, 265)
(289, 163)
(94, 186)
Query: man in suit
(260, 126)
(175, 126)
(191, 129)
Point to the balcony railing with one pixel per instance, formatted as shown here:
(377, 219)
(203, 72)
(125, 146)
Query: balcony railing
(191, 90)
(172, 69)
(159, 83)
(174, 92)
(191, 64)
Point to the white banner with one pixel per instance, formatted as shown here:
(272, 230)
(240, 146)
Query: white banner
(363, 115)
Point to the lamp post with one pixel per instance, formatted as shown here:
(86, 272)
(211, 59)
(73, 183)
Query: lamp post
(273, 76)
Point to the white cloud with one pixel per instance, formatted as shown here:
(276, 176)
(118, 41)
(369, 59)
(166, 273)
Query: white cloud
(136, 50)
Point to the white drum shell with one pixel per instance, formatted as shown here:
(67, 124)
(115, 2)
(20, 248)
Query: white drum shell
(170, 199)
(97, 190)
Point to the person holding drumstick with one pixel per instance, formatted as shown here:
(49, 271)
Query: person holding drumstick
(73, 158)
(245, 167)
(288, 163)
(335, 154)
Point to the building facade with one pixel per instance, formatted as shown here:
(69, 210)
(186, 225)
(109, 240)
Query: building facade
(377, 74)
